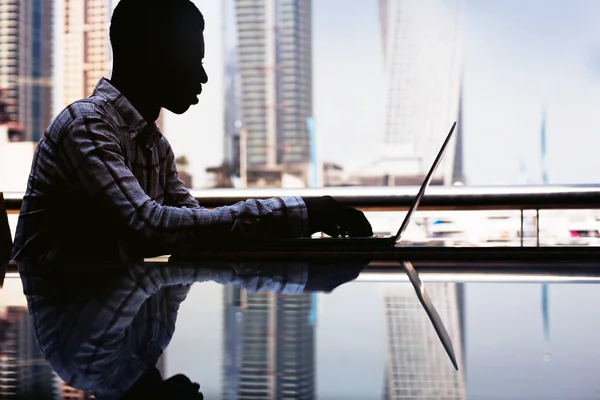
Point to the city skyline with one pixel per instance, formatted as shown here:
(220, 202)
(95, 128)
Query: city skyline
(498, 69)
(506, 81)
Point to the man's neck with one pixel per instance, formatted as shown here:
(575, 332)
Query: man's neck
(138, 93)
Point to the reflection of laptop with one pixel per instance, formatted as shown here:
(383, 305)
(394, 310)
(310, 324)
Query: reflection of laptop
(432, 313)
(373, 240)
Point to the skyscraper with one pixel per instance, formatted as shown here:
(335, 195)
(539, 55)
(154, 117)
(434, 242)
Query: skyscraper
(87, 54)
(26, 62)
(26, 374)
(274, 60)
(417, 364)
(86, 46)
(269, 346)
(422, 46)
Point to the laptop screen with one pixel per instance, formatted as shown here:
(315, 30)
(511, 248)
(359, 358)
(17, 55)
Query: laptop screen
(425, 184)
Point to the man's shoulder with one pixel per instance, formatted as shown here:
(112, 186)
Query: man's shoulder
(164, 142)
(94, 106)
(88, 108)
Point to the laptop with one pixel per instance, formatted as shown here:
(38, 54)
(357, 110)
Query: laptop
(375, 241)
(413, 276)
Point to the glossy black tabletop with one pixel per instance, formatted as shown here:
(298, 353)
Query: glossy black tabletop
(302, 330)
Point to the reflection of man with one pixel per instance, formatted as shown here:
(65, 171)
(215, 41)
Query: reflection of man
(104, 185)
(103, 329)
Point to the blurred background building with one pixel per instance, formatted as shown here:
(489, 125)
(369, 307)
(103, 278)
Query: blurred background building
(423, 58)
(268, 97)
(26, 51)
(86, 50)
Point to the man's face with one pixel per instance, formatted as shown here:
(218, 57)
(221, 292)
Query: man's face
(180, 73)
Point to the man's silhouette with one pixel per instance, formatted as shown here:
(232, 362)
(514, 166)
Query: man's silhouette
(103, 184)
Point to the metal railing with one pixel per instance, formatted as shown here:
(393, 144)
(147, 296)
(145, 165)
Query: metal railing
(466, 198)
(438, 198)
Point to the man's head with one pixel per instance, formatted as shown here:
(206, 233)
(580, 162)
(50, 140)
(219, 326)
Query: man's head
(161, 41)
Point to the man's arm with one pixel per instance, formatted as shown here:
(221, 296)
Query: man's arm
(176, 194)
(91, 149)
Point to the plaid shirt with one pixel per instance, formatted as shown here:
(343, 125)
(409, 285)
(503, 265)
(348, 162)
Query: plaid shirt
(101, 328)
(104, 187)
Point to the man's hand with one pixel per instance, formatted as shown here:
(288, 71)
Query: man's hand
(336, 219)
(180, 387)
(324, 277)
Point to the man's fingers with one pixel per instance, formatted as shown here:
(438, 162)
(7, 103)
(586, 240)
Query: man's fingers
(334, 230)
(343, 220)
(356, 224)
(182, 387)
(350, 228)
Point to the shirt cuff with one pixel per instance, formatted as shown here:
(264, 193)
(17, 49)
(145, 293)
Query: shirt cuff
(295, 216)
(297, 277)
(284, 278)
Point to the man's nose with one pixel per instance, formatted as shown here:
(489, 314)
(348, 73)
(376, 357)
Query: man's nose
(204, 76)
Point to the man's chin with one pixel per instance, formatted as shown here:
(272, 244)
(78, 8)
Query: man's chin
(178, 108)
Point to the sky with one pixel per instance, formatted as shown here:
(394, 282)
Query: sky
(520, 57)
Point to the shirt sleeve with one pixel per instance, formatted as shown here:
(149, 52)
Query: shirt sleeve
(176, 194)
(285, 277)
(91, 149)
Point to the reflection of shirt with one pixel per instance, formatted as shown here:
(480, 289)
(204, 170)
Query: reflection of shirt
(103, 340)
(103, 178)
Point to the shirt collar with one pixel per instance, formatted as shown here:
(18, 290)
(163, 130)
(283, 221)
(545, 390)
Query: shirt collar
(137, 125)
